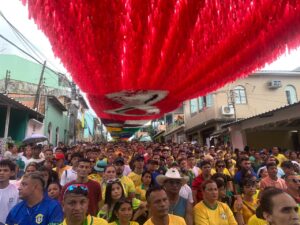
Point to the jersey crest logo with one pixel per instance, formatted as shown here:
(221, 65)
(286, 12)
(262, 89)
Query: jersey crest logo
(39, 218)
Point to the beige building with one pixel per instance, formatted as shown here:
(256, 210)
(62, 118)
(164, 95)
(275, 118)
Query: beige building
(260, 92)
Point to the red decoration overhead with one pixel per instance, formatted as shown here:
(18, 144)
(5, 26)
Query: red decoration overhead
(138, 59)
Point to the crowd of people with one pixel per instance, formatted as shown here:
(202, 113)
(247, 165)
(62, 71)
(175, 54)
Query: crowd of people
(134, 183)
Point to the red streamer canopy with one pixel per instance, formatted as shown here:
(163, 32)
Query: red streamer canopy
(138, 59)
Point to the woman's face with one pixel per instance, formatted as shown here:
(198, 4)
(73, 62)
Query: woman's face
(116, 191)
(210, 193)
(53, 191)
(250, 189)
(30, 169)
(125, 212)
(110, 173)
(146, 179)
(264, 173)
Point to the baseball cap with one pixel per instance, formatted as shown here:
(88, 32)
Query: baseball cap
(100, 165)
(119, 160)
(59, 156)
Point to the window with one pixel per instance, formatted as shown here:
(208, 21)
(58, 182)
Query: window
(240, 95)
(205, 101)
(201, 103)
(194, 105)
(209, 100)
(291, 94)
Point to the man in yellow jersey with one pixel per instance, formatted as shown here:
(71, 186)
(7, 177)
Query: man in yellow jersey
(75, 205)
(126, 182)
(136, 174)
(158, 205)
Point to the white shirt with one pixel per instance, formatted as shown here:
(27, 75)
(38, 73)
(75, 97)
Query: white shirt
(186, 192)
(8, 199)
(196, 171)
(127, 170)
(68, 176)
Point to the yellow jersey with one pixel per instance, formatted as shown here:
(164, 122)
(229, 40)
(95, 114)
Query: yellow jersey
(247, 210)
(221, 215)
(140, 193)
(91, 220)
(130, 223)
(136, 178)
(256, 221)
(172, 220)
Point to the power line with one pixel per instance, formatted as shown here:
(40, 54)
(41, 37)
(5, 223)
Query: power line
(35, 59)
(28, 44)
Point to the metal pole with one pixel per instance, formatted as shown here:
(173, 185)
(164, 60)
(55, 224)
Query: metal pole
(37, 96)
(7, 121)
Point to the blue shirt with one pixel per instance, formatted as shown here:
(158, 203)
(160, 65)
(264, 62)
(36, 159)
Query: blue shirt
(47, 212)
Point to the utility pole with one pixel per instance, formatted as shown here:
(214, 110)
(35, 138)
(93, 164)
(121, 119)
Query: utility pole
(38, 91)
(7, 79)
(73, 113)
(232, 102)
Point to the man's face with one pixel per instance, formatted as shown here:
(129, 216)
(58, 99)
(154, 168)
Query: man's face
(119, 168)
(75, 207)
(293, 182)
(191, 162)
(152, 167)
(159, 203)
(285, 211)
(183, 165)
(246, 164)
(48, 155)
(27, 187)
(139, 164)
(275, 151)
(149, 151)
(206, 169)
(28, 151)
(5, 173)
(74, 161)
(156, 158)
(83, 169)
(173, 186)
(36, 153)
(272, 171)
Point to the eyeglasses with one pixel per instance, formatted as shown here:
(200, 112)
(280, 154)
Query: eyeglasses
(77, 188)
(116, 180)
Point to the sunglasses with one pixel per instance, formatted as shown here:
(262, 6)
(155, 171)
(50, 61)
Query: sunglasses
(77, 188)
(221, 166)
(112, 181)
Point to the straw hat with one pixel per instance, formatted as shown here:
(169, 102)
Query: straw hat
(171, 174)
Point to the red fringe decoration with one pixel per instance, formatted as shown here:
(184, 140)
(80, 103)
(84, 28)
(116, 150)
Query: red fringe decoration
(186, 48)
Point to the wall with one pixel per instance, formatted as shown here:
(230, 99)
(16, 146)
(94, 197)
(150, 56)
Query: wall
(268, 139)
(88, 125)
(58, 119)
(259, 98)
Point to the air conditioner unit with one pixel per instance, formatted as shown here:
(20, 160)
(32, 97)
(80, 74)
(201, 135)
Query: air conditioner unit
(273, 84)
(227, 110)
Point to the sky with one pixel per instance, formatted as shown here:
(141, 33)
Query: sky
(17, 14)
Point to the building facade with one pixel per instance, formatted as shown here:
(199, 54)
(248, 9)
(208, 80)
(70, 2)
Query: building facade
(260, 92)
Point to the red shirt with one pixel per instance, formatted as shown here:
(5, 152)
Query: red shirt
(94, 195)
(196, 186)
